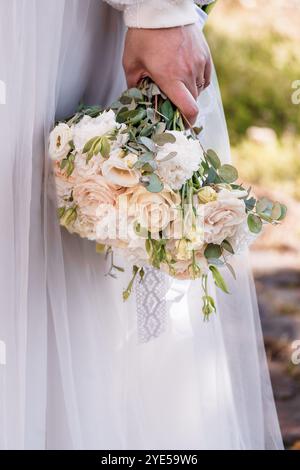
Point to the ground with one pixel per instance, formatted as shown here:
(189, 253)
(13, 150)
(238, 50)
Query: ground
(276, 264)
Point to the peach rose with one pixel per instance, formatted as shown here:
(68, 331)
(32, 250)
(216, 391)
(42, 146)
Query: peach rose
(89, 194)
(221, 218)
(153, 211)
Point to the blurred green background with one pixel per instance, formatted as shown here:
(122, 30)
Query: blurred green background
(255, 45)
(256, 49)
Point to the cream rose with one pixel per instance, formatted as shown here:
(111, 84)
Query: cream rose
(153, 211)
(89, 194)
(119, 170)
(222, 218)
(59, 139)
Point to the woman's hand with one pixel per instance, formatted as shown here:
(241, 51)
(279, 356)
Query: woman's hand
(177, 59)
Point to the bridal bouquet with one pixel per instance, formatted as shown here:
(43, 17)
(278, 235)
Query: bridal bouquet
(133, 179)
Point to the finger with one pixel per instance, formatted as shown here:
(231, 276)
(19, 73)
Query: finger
(207, 73)
(133, 78)
(199, 84)
(179, 94)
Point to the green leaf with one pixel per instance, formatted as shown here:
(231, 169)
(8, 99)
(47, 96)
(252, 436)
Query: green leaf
(149, 166)
(212, 251)
(147, 130)
(105, 147)
(262, 205)
(218, 278)
(167, 110)
(154, 184)
(212, 176)
(283, 212)
(134, 93)
(160, 127)
(145, 158)
(168, 157)
(89, 144)
(276, 211)
(164, 138)
(227, 246)
(250, 203)
(228, 173)
(100, 248)
(148, 143)
(148, 246)
(213, 158)
(61, 211)
(63, 163)
(154, 89)
(254, 223)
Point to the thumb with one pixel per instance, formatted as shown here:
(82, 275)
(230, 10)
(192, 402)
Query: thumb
(178, 93)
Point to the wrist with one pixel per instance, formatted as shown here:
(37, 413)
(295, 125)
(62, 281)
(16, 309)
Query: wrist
(160, 14)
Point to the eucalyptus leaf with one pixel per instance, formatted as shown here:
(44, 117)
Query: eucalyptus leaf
(276, 211)
(160, 128)
(227, 246)
(250, 203)
(146, 157)
(147, 130)
(154, 89)
(213, 158)
(168, 157)
(148, 143)
(254, 223)
(149, 166)
(164, 138)
(212, 251)
(134, 93)
(283, 212)
(228, 173)
(154, 184)
(262, 205)
(125, 99)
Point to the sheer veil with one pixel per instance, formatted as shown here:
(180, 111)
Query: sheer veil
(77, 374)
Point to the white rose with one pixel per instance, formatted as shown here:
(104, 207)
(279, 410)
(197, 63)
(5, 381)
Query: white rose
(176, 170)
(60, 137)
(135, 252)
(120, 170)
(89, 127)
(222, 218)
(88, 169)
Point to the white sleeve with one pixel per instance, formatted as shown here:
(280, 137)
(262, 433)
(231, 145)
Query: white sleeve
(156, 13)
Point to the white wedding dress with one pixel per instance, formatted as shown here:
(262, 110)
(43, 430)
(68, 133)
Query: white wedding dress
(84, 370)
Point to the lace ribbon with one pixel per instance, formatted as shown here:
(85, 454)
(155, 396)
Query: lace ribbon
(151, 304)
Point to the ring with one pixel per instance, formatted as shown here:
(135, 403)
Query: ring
(200, 85)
